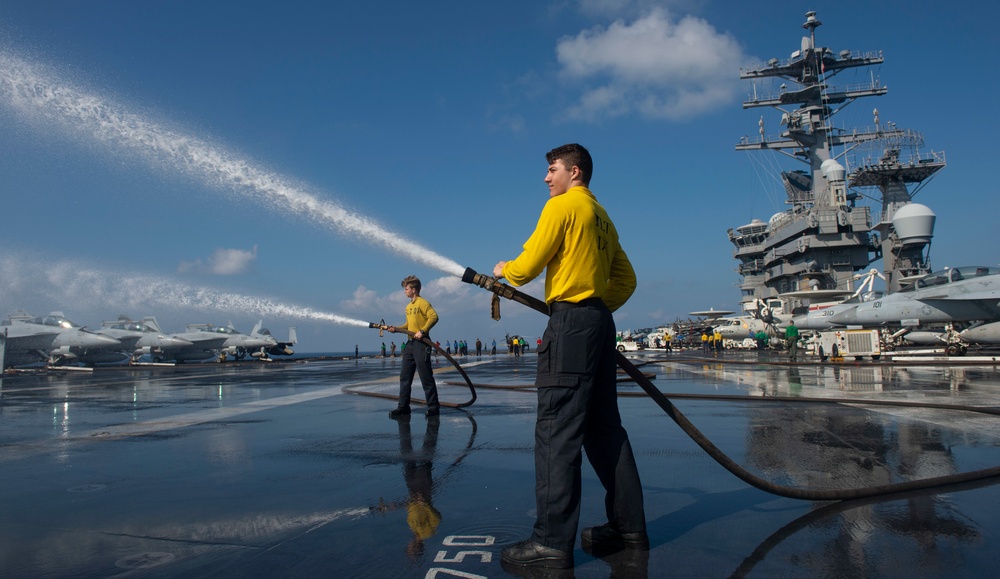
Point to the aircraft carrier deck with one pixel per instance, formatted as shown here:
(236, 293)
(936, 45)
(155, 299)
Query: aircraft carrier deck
(276, 470)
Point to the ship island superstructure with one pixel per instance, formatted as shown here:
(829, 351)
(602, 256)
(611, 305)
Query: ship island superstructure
(826, 237)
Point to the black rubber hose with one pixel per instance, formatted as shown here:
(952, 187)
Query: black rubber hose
(426, 340)
(720, 457)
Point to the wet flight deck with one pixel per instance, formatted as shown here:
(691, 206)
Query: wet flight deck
(282, 470)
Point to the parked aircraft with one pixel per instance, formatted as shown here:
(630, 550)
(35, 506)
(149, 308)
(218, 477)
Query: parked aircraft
(281, 348)
(711, 313)
(960, 294)
(204, 344)
(240, 345)
(138, 339)
(209, 340)
(821, 305)
(818, 316)
(742, 327)
(53, 339)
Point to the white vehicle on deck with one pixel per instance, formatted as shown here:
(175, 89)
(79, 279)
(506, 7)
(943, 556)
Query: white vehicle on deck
(629, 342)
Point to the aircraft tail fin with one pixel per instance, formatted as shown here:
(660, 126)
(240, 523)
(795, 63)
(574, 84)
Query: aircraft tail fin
(292, 337)
(152, 323)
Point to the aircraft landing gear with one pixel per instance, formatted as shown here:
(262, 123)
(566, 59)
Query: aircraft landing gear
(955, 346)
(956, 349)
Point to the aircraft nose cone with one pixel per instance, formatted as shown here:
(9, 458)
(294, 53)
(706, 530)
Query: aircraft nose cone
(175, 342)
(846, 317)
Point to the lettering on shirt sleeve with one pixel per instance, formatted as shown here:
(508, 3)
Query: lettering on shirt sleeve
(603, 229)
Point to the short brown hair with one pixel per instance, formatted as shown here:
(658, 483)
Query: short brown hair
(573, 155)
(412, 280)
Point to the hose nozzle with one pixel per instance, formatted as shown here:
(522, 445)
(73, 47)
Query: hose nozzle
(380, 326)
(487, 282)
(501, 290)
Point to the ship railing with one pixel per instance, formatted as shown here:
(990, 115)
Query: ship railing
(912, 158)
(753, 266)
(774, 63)
(775, 97)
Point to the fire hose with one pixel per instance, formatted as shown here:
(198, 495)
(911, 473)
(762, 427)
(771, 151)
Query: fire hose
(502, 290)
(382, 327)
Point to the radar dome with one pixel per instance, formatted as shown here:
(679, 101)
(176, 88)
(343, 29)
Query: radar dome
(832, 170)
(914, 223)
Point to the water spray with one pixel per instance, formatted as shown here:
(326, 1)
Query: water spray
(74, 282)
(38, 95)
(502, 290)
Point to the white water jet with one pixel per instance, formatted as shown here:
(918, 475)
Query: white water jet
(39, 95)
(74, 283)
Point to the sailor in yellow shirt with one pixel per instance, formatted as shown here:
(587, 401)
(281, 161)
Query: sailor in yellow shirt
(587, 276)
(420, 318)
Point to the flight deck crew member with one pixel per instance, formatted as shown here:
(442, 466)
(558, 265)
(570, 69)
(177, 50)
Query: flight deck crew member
(587, 276)
(420, 318)
(792, 337)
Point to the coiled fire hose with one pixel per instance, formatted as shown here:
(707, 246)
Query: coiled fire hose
(807, 494)
(382, 327)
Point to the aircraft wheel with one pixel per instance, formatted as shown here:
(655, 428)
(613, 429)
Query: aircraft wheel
(952, 350)
(621, 348)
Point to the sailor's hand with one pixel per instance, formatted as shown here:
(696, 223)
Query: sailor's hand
(391, 329)
(498, 269)
(418, 334)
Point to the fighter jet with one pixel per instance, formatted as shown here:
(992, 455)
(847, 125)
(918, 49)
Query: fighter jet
(209, 340)
(822, 305)
(240, 346)
(281, 348)
(138, 338)
(961, 294)
(205, 344)
(819, 316)
(55, 340)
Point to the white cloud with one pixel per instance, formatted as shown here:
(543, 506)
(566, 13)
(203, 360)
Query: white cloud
(222, 262)
(654, 66)
(368, 302)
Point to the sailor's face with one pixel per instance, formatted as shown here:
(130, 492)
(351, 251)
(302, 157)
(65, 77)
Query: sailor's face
(409, 291)
(559, 178)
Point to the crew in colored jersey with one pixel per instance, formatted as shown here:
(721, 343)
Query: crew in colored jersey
(420, 318)
(587, 276)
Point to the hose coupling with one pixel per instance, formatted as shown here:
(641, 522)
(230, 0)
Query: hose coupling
(488, 283)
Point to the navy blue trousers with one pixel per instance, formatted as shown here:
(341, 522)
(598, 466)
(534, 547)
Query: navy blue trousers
(578, 409)
(417, 360)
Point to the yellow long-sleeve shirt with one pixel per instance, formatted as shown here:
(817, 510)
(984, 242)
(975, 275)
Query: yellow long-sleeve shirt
(578, 243)
(420, 315)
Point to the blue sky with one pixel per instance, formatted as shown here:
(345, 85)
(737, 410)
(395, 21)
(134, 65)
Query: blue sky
(217, 161)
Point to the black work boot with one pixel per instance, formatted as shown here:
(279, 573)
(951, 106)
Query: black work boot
(605, 537)
(401, 411)
(531, 554)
